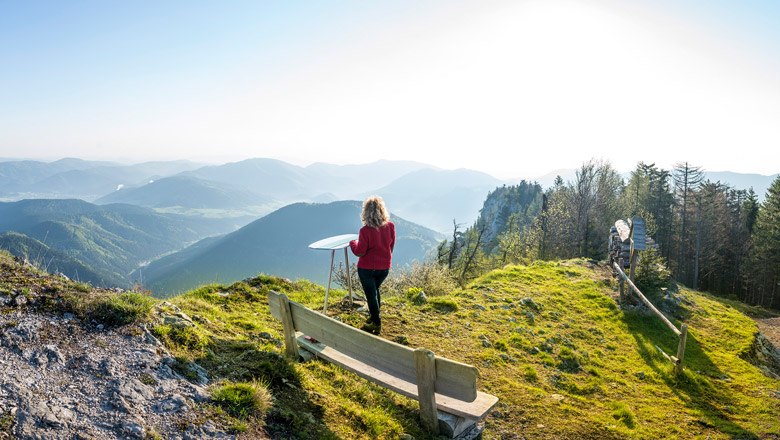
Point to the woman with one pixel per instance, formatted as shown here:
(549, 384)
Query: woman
(374, 247)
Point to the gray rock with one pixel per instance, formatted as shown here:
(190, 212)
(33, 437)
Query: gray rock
(20, 300)
(132, 430)
(174, 403)
(135, 391)
(54, 354)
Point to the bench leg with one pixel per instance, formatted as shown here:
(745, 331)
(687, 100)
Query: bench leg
(425, 362)
(290, 344)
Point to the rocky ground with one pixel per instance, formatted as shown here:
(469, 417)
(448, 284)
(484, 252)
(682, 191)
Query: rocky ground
(63, 378)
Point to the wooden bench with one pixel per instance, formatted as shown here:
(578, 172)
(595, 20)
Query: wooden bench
(447, 390)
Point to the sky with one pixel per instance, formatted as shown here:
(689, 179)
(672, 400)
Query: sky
(513, 88)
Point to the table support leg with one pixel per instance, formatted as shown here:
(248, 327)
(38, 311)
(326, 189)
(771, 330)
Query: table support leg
(330, 277)
(349, 278)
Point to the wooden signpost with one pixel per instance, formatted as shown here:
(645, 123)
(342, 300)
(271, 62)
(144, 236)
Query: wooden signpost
(634, 234)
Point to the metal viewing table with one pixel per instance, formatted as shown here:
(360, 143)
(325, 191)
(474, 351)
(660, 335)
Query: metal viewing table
(333, 244)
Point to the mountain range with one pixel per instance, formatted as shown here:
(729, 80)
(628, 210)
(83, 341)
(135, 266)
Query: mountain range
(77, 178)
(277, 244)
(97, 244)
(251, 188)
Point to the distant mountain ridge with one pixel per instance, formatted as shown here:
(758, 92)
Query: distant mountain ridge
(110, 241)
(76, 178)
(187, 192)
(278, 244)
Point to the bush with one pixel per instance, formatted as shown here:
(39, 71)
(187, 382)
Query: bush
(652, 274)
(434, 279)
(244, 399)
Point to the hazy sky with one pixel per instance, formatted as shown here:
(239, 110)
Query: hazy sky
(514, 88)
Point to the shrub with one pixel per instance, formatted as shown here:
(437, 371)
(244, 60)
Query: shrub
(430, 277)
(243, 399)
(652, 274)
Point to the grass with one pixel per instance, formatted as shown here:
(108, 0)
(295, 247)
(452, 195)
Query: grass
(243, 400)
(563, 358)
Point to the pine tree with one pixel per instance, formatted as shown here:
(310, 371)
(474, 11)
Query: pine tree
(686, 180)
(766, 245)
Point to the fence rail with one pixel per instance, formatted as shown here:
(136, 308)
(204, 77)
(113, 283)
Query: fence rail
(682, 332)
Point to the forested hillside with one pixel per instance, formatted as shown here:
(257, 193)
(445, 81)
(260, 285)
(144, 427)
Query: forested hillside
(711, 236)
(97, 244)
(277, 244)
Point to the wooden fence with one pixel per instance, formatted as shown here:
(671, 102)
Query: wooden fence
(682, 332)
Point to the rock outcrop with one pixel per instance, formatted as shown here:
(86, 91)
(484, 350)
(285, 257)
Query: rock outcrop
(62, 377)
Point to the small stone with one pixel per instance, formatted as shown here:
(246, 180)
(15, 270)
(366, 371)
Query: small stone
(20, 300)
(133, 430)
(640, 375)
(54, 354)
(100, 327)
(535, 350)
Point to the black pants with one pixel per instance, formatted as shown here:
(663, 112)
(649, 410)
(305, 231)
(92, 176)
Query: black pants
(371, 280)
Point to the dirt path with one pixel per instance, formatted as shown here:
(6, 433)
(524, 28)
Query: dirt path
(770, 328)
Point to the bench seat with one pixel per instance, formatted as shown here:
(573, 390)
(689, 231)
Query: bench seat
(469, 410)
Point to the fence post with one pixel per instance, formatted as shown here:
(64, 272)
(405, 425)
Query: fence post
(622, 283)
(681, 348)
(632, 268)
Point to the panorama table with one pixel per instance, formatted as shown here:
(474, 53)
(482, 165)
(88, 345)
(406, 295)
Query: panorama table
(333, 244)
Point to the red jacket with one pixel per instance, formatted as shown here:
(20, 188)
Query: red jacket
(374, 246)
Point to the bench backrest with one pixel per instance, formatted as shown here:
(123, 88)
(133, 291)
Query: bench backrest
(453, 379)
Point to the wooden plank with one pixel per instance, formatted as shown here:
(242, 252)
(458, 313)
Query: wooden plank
(425, 362)
(453, 379)
(290, 345)
(475, 409)
(638, 233)
(647, 301)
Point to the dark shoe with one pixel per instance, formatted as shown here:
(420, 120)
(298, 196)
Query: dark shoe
(372, 328)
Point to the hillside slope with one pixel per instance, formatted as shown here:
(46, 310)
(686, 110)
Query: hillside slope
(548, 339)
(111, 240)
(277, 244)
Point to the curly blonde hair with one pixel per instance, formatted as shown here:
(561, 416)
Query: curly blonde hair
(374, 212)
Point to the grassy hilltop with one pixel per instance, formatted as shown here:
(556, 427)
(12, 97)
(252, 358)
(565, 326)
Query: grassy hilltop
(548, 338)
(549, 341)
